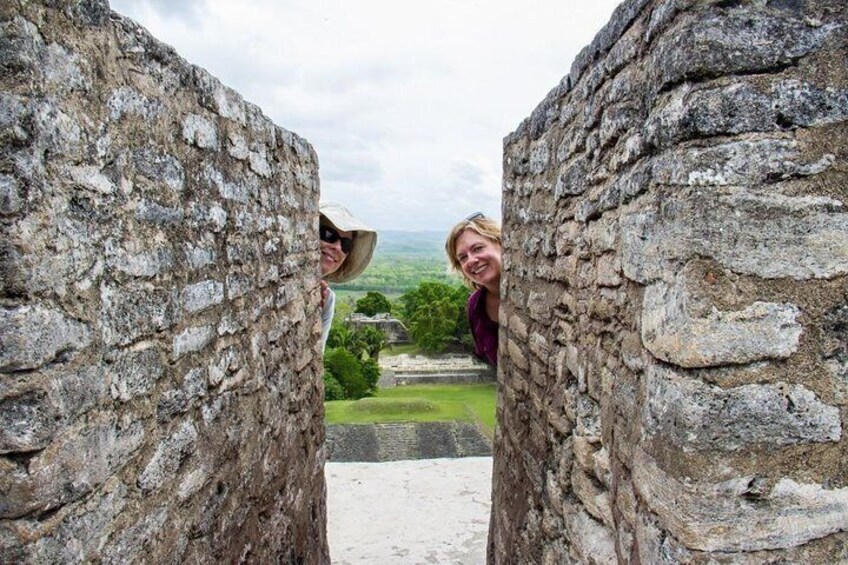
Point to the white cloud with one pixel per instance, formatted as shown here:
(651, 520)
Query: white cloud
(406, 103)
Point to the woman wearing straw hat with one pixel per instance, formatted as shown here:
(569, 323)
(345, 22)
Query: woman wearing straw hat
(474, 250)
(347, 245)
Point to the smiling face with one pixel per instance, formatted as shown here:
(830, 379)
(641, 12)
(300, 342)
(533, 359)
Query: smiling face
(479, 258)
(332, 255)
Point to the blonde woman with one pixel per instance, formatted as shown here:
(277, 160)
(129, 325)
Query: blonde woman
(474, 250)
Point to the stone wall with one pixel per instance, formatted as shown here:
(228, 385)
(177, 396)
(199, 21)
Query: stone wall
(447, 368)
(402, 441)
(394, 329)
(674, 344)
(160, 395)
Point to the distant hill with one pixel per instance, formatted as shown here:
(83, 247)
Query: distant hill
(410, 243)
(402, 260)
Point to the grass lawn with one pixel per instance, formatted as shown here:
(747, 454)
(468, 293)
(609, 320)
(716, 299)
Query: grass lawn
(420, 403)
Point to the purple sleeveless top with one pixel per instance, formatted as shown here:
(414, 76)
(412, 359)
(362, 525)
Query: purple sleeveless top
(483, 330)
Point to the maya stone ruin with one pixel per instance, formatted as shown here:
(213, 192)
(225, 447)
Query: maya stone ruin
(674, 343)
(160, 370)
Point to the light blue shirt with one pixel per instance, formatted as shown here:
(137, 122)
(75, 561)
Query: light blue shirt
(327, 317)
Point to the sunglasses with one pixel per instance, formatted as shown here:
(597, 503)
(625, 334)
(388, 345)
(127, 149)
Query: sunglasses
(474, 216)
(330, 235)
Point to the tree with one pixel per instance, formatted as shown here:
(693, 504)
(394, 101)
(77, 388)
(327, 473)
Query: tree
(332, 388)
(347, 370)
(462, 332)
(371, 373)
(434, 324)
(373, 303)
(435, 314)
(370, 340)
(340, 335)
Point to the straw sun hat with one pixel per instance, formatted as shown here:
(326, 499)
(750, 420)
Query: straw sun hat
(364, 242)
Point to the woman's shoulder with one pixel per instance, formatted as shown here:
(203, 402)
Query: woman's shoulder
(474, 299)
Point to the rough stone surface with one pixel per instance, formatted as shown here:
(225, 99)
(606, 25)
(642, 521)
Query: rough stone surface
(672, 366)
(32, 336)
(698, 417)
(155, 230)
(718, 516)
(672, 333)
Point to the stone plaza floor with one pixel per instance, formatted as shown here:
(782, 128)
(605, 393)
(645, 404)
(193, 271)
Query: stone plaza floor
(409, 512)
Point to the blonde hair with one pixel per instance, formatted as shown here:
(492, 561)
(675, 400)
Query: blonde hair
(486, 227)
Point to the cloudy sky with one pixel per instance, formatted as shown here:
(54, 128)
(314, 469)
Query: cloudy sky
(406, 101)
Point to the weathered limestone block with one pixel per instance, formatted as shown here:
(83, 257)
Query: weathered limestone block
(42, 257)
(11, 198)
(238, 284)
(130, 313)
(517, 327)
(168, 457)
(200, 254)
(178, 401)
(193, 481)
(692, 112)
(151, 212)
(608, 271)
(601, 466)
(79, 389)
(594, 498)
(212, 217)
(673, 333)
(539, 346)
(142, 265)
(774, 236)
(192, 339)
(32, 336)
(584, 451)
(575, 362)
(738, 163)
(723, 517)
(28, 421)
(125, 545)
(91, 178)
(655, 546)
(227, 189)
(70, 467)
(588, 419)
(732, 42)
(159, 167)
(626, 502)
(516, 355)
(77, 538)
(835, 351)
(200, 131)
(34, 409)
(618, 119)
(202, 295)
(591, 540)
(134, 373)
(602, 236)
(698, 417)
(125, 101)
